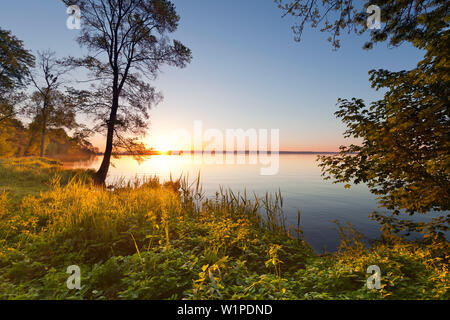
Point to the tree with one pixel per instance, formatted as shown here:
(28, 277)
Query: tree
(412, 21)
(48, 105)
(9, 102)
(132, 36)
(404, 152)
(15, 62)
(404, 155)
(49, 114)
(12, 132)
(12, 138)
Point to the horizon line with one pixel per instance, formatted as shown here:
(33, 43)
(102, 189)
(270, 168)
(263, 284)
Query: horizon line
(178, 152)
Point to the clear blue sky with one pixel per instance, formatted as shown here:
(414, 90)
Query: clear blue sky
(247, 71)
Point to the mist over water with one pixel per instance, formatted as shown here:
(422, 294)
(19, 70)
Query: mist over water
(299, 180)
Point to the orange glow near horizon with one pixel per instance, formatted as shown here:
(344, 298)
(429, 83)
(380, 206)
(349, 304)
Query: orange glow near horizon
(164, 144)
(162, 148)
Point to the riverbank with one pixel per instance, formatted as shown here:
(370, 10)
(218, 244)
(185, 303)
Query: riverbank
(153, 240)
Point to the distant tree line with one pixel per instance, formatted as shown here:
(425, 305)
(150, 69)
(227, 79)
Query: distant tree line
(48, 111)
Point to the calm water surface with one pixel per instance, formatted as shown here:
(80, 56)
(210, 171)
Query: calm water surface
(299, 179)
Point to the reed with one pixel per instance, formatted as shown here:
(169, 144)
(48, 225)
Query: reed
(147, 239)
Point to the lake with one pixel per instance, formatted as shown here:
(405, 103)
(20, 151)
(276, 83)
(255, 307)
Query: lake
(299, 180)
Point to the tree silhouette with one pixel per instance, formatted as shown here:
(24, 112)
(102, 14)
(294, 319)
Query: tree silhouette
(129, 42)
(411, 21)
(15, 64)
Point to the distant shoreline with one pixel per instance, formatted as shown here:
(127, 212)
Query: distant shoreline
(175, 153)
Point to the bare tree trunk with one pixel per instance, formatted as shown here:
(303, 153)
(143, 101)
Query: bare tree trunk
(100, 176)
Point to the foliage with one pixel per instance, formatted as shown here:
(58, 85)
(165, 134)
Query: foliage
(401, 20)
(18, 141)
(15, 62)
(403, 151)
(29, 176)
(133, 38)
(147, 240)
(48, 107)
(12, 138)
(49, 110)
(403, 156)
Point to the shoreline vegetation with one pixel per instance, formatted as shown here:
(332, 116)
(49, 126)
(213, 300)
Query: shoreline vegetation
(147, 239)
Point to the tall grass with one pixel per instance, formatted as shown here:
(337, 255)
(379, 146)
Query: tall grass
(23, 176)
(144, 239)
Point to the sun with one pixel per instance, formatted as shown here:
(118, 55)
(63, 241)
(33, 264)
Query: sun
(163, 148)
(164, 144)
(161, 145)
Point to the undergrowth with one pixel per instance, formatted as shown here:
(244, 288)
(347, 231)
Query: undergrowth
(150, 240)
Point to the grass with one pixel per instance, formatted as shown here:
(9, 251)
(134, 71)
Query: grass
(29, 176)
(152, 240)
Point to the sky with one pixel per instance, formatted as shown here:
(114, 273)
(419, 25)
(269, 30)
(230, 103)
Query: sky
(247, 71)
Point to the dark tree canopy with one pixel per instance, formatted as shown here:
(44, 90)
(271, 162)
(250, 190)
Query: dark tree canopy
(15, 62)
(412, 21)
(129, 43)
(8, 104)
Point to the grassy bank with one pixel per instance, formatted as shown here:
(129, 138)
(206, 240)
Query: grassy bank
(149, 240)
